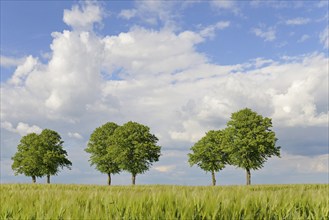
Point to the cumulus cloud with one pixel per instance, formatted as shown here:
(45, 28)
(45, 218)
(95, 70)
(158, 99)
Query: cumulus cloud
(268, 34)
(192, 131)
(305, 164)
(21, 128)
(23, 70)
(62, 87)
(141, 52)
(301, 111)
(159, 74)
(83, 17)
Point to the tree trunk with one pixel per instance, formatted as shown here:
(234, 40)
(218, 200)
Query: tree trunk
(213, 178)
(109, 179)
(48, 178)
(33, 179)
(248, 177)
(133, 179)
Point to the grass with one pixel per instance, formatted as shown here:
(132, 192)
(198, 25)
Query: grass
(36, 201)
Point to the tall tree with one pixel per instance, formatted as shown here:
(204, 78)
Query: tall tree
(27, 159)
(250, 140)
(98, 146)
(54, 156)
(135, 148)
(208, 153)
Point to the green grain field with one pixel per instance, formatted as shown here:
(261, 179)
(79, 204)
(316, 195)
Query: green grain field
(40, 201)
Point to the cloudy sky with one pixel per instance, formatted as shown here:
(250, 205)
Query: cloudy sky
(180, 67)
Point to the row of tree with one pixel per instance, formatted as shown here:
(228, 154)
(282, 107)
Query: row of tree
(247, 142)
(113, 148)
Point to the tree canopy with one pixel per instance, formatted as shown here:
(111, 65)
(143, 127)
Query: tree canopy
(208, 153)
(98, 147)
(250, 140)
(54, 156)
(28, 157)
(135, 148)
(40, 155)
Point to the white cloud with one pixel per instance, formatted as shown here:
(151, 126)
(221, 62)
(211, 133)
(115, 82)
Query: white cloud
(10, 61)
(141, 52)
(324, 37)
(210, 30)
(260, 62)
(21, 128)
(75, 135)
(128, 13)
(23, 70)
(6, 169)
(83, 17)
(170, 86)
(222, 25)
(165, 169)
(8, 126)
(192, 131)
(304, 164)
(301, 111)
(268, 34)
(298, 21)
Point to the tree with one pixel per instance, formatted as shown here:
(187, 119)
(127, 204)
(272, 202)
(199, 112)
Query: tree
(208, 153)
(54, 156)
(27, 159)
(98, 146)
(250, 140)
(40, 155)
(135, 148)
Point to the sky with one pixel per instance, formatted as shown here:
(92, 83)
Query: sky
(180, 67)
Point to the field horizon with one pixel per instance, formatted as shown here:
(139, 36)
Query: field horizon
(159, 184)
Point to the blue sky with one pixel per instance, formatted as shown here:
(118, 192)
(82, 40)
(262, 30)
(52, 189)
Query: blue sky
(180, 67)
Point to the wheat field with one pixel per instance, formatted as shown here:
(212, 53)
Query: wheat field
(41, 201)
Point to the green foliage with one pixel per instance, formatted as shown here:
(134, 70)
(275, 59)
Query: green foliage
(39, 155)
(28, 157)
(23, 201)
(99, 148)
(208, 152)
(135, 147)
(250, 140)
(54, 156)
